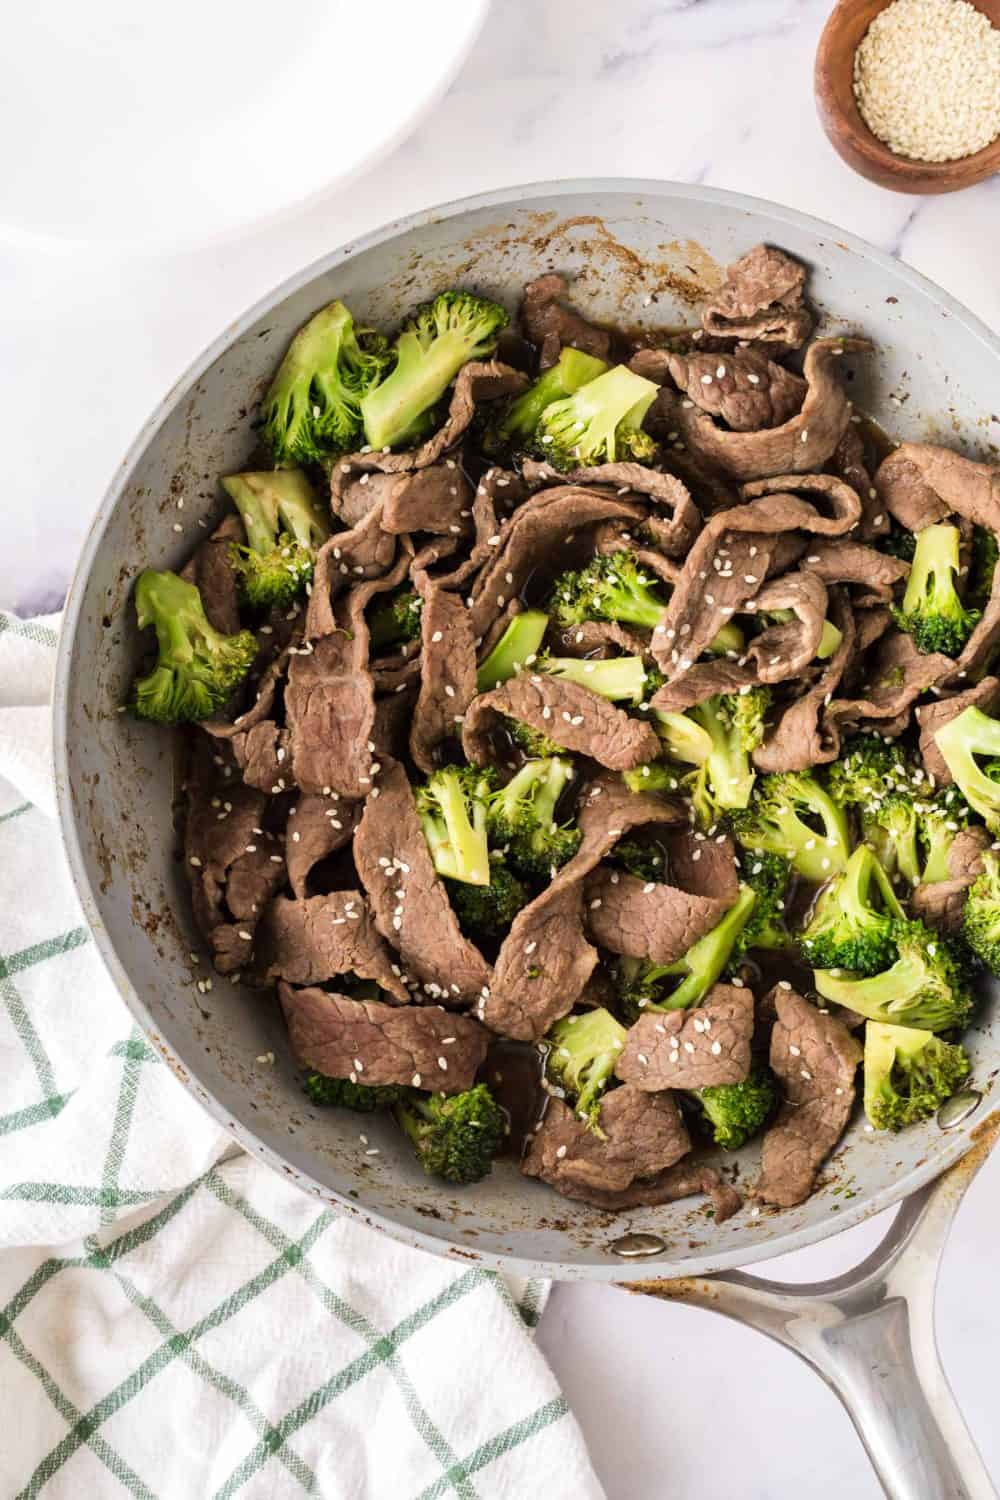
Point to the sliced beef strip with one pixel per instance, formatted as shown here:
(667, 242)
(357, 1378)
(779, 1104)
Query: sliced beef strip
(410, 903)
(550, 325)
(691, 1049)
(330, 710)
(849, 463)
(800, 736)
(437, 499)
(684, 1180)
(804, 442)
(762, 299)
(401, 1044)
(210, 570)
(573, 716)
(705, 680)
(447, 672)
(934, 716)
(873, 575)
(366, 551)
(674, 531)
(980, 650)
(545, 960)
(703, 864)
(392, 724)
(815, 1058)
(895, 677)
(596, 638)
(646, 919)
(784, 651)
(746, 390)
(254, 736)
(252, 880)
(221, 818)
(922, 483)
(941, 904)
(643, 1136)
(311, 941)
(317, 826)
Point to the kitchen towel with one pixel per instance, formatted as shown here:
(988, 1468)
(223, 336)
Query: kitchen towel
(177, 1322)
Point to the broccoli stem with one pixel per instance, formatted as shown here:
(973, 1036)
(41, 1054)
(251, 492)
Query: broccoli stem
(453, 817)
(730, 774)
(572, 370)
(619, 678)
(274, 501)
(730, 639)
(522, 639)
(685, 740)
(599, 423)
(704, 962)
(969, 734)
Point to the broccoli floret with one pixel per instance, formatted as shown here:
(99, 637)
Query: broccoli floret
(455, 1137)
(927, 986)
(969, 735)
(518, 646)
(736, 1111)
(932, 612)
(197, 667)
(658, 776)
(312, 411)
(791, 814)
(767, 875)
(852, 922)
(644, 861)
(583, 1050)
(869, 769)
(734, 723)
(601, 423)
(620, 678)
(892, 830)
(897, 542)
(284, 527)
(522, 818)
(981, 917)
(644, 985)
(452, 806)
(432, 346)
(684, 739)
(981, 568)
(613, 586)
(488, 910)
(940, 818)
(531, 741)
(515, 428)
(364, 1097)
(909, 1073)
(397, 619)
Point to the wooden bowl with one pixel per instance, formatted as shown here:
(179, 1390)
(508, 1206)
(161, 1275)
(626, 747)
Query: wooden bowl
(847, 131)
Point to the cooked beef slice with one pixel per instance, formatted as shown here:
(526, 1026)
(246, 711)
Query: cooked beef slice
(980, 650)
(254, 877)
(745, 389)
(674, 531)
(815, 1058)
(551, 326)
(254, 736)
(705, 679)
(545, 960)
(644, 919)
(703, 865)
(447, 672)
(934, 716)
(803, 442)
(849, 463)
(942, 903)
(368, 1042)
(597, 638)
(538, 530)
(800, 736)
(761, 299)
(330, 710)
(681, 1181)
(210, 570)
(317, 826)
(308, 942)
(410, 903)
(922, 483)
(783, 651)
(571, 715)
(894, 678)
(643, 1136)
(691, 1049)
(873, 575)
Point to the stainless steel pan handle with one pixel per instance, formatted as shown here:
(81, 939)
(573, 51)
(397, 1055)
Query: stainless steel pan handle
(870, 1335)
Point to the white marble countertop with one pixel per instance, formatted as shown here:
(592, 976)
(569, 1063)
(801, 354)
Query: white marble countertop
(707, 91)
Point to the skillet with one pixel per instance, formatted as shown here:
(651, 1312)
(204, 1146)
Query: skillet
(641, 254)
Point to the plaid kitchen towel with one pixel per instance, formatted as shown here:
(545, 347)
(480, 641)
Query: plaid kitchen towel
(177, 1321)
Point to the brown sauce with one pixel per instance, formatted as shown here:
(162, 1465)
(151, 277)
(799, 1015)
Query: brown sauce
(513, 1072)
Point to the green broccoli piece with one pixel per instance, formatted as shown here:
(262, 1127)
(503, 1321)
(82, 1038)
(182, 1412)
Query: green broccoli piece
(644, 861)
(736, 1111)
(455, 1137)
(791, 814)
(981, 568)
(851, 926)
(644, 985)
(684, 739)
(341, 1092)
(530, 741)
(897, 542)
(768, 876)
(582, 1052)
(612, 586)
(941, 817)
(734, 723)
(909, 1073)
(517, 647)
(197, 667)
(927, 986)
(893, 832)
(431, 348)
(981, 917)
(452, 806)
(932, 611)
(515, 428)
(488, 910)
(312, 411)
(397, 619)
(620, 678)
(871, 768)
(522, 818)
(658, 776)
(601, 423)
(972, 734)
(285, 528)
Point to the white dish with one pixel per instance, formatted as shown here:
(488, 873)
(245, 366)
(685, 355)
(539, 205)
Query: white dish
(170, 125)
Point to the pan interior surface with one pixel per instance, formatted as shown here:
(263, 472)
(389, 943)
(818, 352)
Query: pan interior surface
(641, 255)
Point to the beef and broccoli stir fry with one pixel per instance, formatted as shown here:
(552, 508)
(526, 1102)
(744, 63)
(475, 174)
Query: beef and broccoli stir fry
(619, 709)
